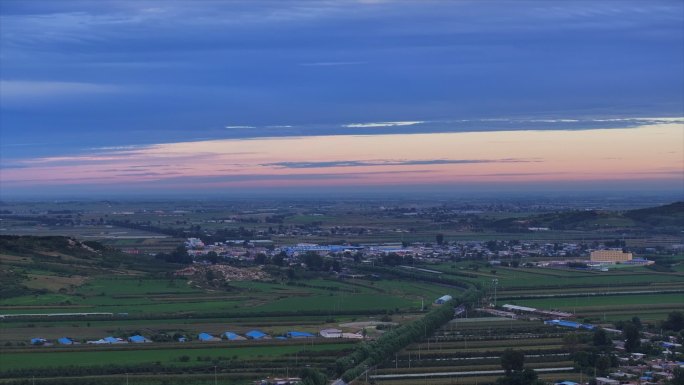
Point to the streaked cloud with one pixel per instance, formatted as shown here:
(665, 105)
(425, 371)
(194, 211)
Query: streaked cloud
(352, 163)
(382, 124)
(331, 63)
(19, 92)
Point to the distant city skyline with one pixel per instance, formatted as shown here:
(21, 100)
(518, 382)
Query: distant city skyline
(117, 97)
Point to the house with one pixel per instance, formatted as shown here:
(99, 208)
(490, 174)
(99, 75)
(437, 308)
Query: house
(566, 383)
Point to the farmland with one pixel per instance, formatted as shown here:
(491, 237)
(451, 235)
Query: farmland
(464, 346)
(117, 262)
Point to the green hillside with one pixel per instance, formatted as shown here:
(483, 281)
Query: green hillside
(59, 264)
(668, 218)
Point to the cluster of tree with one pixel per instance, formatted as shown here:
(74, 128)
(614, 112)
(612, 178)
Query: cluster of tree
(180, 255)
(311, 376)
(577, 265)
(515, 373)
(674, 321)
(592, 361)
(263, 259)
(372, 353)
(394, 259)
(29, 245)
(631, 333)
(315, 262)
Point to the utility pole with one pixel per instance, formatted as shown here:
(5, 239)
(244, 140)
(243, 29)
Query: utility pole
(495, 282)
(215, 376)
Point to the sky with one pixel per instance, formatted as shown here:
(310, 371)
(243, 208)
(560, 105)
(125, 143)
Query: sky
(157, 97)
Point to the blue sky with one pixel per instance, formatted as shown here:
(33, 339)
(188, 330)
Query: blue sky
(82, 75)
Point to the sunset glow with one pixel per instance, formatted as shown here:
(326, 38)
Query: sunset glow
(646, 153)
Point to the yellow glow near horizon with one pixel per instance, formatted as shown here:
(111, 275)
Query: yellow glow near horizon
(647, 152)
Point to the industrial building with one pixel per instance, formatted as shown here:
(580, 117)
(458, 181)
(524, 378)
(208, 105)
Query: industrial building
(610, 255)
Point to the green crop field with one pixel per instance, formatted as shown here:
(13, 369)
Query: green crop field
(34, 360)
(605, 301)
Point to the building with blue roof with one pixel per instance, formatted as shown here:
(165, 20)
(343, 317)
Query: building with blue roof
(113, 340)
(207, 337)
(65, 341)
(233, 336)
(256, 334)
(138, 339)
(569, 324)
(38, 341)
(296, 334)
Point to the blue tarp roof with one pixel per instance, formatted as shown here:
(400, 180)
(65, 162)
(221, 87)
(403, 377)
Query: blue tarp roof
(111, 339)
(137, 339)
(205, 336)
(65, 341)
(255, 334)
(231, 335)
(296, 334)
(570, 324)
(37, 340)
